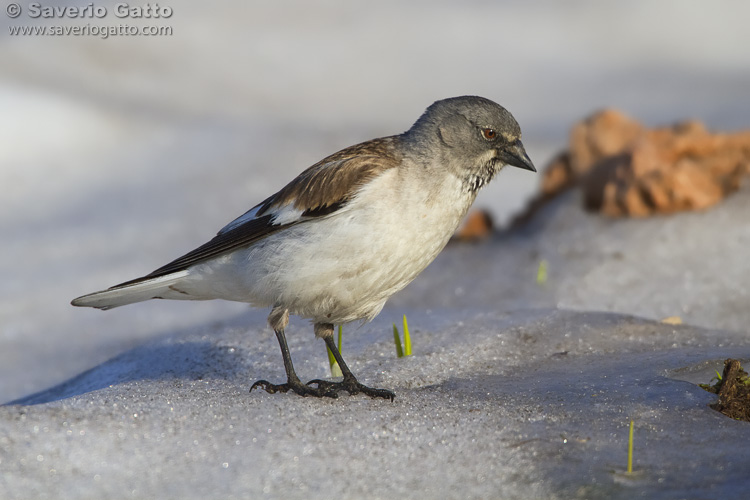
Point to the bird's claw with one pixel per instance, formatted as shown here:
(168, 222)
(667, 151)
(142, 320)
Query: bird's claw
(298, 388)
(352, 386)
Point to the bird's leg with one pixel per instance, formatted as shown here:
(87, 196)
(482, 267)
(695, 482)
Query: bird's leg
(350, 383)
(278, 320)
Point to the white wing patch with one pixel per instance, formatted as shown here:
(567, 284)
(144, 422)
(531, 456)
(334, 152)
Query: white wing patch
(280, 216)
(286, 215)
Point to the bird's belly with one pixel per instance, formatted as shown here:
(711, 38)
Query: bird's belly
(340, 275)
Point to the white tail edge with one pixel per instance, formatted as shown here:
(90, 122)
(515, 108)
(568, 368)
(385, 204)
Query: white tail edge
(121, 295)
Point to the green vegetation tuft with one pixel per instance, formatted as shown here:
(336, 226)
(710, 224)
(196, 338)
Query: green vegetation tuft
(541, 272)
(406, 349)
(630, 449)
(335, 369)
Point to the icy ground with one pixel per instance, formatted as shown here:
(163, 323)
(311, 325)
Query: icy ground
(532, 403)
(118, 155)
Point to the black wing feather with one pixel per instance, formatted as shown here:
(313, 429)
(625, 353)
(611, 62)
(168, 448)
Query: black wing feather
(240, 236)
(319, 191)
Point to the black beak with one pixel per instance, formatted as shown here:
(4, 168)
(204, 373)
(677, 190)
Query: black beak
(514, 154)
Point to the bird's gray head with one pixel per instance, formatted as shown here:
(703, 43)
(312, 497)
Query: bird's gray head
(474, 136)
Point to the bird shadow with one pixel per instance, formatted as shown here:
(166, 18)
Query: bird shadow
(191, 360)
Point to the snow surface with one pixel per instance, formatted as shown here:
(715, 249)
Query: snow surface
(118, 155)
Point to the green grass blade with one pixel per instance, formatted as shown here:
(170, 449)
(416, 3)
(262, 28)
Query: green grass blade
(341, 337)
(331, 359)
(335, 369)
(407, 338)
(397, 341)
(630, 449)
(541, 273)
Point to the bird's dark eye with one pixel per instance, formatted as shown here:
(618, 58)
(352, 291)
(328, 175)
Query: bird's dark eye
(489, 133)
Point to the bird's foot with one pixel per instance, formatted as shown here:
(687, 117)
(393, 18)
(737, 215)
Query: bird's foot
(352, 386)
(296, 386)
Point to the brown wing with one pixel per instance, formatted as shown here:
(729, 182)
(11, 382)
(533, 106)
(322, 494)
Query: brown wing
(335, 179)
(318, 191)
